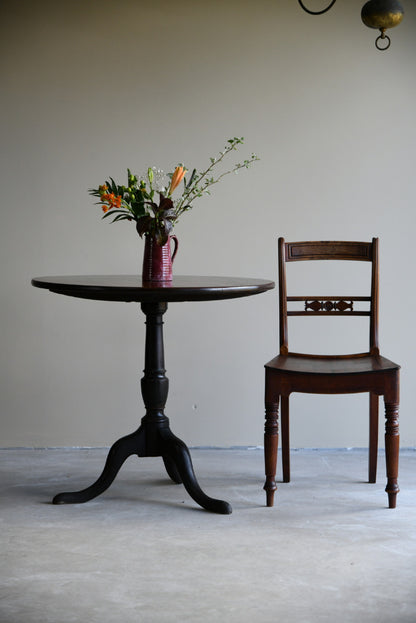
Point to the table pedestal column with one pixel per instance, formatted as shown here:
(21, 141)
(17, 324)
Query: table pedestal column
(154, 437)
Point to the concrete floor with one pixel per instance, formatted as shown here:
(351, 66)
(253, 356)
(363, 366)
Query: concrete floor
(143, 552)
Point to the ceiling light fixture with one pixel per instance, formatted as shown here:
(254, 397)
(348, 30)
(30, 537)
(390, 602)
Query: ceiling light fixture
(380, 14)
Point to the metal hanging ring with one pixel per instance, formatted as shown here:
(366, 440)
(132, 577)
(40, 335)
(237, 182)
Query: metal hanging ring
(383, 37)
(316, 12)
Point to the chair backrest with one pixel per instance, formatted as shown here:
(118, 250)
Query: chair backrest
(328, 305)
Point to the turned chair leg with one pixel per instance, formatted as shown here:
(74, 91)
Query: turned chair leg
(392, 441)
(284, 427)
(373, 442)
(271, 438)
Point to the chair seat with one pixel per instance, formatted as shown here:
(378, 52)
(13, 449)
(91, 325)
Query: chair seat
(310, 364)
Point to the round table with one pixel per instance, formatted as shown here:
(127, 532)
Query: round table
(153, 437)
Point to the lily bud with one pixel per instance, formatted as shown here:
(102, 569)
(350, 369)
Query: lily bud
(177, 177)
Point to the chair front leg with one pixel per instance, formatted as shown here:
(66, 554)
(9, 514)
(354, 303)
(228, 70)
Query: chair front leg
(392, 441)
(271, 438)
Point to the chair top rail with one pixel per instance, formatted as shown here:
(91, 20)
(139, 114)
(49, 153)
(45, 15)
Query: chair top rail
(328, 250)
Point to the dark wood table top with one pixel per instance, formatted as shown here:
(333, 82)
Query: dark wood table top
(130, 288)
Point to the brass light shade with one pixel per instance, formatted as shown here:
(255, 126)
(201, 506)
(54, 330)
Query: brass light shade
(382, 14)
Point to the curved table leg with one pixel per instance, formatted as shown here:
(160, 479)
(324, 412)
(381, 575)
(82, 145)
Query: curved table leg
(172, 470)
(119, 452)
(178, 453)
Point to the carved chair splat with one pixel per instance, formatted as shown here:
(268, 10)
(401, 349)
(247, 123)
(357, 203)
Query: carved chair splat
(331, 374)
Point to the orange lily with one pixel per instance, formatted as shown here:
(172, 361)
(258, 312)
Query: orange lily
(177, 178)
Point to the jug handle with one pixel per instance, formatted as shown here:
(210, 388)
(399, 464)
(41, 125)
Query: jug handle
(176, 245)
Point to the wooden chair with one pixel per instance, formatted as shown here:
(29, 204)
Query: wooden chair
(331, 374)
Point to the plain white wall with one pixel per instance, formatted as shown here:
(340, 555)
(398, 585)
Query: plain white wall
(92, 87)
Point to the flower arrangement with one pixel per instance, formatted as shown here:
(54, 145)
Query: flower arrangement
(136, 201)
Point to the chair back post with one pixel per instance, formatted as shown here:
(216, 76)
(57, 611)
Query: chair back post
(374, 345)
(283, 330)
